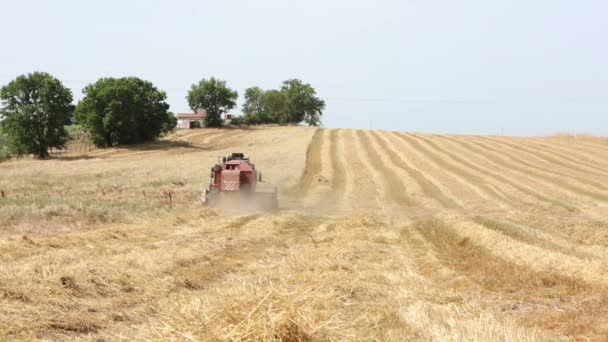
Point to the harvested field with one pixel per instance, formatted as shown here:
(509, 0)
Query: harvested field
(380, 236)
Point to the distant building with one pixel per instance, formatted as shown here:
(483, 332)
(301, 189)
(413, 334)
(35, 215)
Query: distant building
(191, 120)
(196, 119)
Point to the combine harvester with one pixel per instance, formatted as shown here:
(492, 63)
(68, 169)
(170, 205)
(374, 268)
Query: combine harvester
(236, 184)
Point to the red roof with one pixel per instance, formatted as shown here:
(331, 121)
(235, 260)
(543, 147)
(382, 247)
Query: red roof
(190, 115)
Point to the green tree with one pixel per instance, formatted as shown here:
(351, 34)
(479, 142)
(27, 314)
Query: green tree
(238, 121)
(5, 152)
(170, 124)
(215, 97)
(304, 105)
(118, 111)
(35, 108)
(262, 107)
(276, 106)
(253, 101)
(253, 108)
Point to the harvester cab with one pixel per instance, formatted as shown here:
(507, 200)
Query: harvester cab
(236, 183)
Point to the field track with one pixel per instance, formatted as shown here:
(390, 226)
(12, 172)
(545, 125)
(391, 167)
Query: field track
(380, 236)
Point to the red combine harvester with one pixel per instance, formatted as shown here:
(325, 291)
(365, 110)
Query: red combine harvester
(235, 183)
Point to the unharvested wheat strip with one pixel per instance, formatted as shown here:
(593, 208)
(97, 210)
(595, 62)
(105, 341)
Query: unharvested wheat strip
(429, 186)
(542, 177)
(518, 156)
(324, 183)
(452, 162)
(367, 175)
(438, 164)
(392, 184)
(313, 163)
(346, 158)
(337, 176)
(338, 183)
(551, 157)
(514, 184)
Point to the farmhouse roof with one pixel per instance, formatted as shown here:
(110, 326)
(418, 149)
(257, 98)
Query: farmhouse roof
(190, 115)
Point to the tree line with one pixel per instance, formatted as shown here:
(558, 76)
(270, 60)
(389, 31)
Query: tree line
(36, 108)
(295, 102)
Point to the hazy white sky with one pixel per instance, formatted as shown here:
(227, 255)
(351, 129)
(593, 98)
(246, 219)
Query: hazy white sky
(526, 67)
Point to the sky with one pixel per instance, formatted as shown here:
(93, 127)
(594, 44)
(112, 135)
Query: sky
(516, 67)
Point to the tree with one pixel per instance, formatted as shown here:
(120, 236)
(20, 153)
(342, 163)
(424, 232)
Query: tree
(262, 107)
(215, 97)
(303, 103)
(5, 151)
(276, 106)
(253, 108)
(35, 107)
(170, 124)
(253, 101)
(238, 121)
(119, 111)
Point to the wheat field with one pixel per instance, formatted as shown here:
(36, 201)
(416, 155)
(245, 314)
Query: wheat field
(380, 235)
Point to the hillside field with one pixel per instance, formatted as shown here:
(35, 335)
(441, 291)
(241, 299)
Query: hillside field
(380, 235)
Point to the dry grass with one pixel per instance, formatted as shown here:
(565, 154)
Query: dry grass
(381, 236)
(566, 304)
(393, 186)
